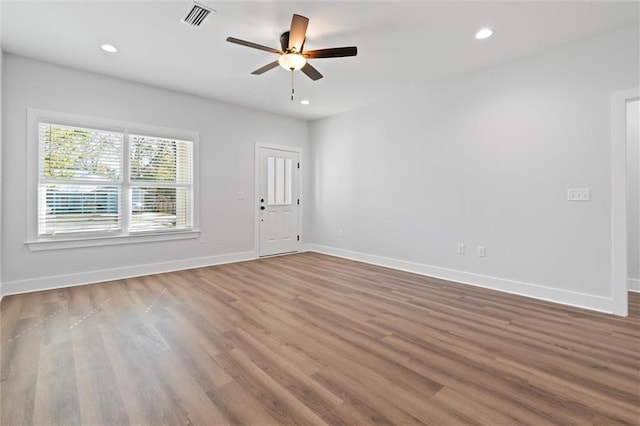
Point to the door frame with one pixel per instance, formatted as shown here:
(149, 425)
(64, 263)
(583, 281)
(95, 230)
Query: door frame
(256, 191)
(619, 290)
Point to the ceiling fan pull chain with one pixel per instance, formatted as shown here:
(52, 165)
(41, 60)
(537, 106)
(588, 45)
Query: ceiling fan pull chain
(292, 90)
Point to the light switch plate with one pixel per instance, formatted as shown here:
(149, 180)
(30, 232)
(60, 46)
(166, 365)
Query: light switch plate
(578, 194)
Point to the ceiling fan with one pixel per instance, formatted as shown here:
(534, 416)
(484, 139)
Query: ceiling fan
(292, 56)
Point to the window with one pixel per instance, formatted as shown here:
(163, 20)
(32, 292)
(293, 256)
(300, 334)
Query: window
(80, 180)
(160, 178)
(104, 181)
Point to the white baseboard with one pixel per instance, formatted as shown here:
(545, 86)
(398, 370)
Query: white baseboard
(70, 280)
(566, 297)
(582, 300)
(633, 285)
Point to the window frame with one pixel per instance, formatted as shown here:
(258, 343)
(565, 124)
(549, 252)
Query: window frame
(36, 242)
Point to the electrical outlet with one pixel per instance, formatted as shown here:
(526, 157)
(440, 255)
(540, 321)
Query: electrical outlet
(340, 233)
(460, 248)
(203, 239)
(578, 194)
(482, 251)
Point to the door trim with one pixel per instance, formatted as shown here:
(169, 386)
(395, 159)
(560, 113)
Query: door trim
(256, 191)
(619, 290)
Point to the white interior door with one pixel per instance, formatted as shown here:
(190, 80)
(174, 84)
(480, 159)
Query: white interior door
(278, 172)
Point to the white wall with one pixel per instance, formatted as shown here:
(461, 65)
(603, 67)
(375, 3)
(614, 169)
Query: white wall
(227, 137)
(484, 159)
(633, 194)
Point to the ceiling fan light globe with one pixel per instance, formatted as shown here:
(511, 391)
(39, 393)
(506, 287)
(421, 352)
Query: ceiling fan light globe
(292, 61)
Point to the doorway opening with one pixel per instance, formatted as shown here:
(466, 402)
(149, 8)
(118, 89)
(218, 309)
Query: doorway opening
(620, 229)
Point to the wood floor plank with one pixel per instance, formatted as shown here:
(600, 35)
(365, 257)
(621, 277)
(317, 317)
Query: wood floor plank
(100, 400)
(240, 406)
(295, 381)
(481, 412)
(21, 357)
(275, 398)
(147, 398)
(311, 339)
(186, 392)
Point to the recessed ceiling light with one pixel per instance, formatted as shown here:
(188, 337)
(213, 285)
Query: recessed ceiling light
(109, 48)
(484, 33)
(304, 102)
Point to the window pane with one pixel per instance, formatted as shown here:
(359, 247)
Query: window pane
(156, 209)
(76, 153)
(271, 186)
(78, 208)
(278, 181)
(287, 182)
(160, 160)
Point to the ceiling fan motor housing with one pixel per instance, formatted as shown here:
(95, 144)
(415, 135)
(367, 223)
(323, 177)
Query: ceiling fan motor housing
(284, 42)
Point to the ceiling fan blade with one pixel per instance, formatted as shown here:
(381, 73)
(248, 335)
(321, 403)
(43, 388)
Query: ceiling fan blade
(311, 72)
(266, 68)
(254, 45)
(298, 32)
(334, 52)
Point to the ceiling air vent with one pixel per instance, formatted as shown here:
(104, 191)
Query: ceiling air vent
(196, 14)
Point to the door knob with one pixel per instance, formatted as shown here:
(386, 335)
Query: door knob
(262, 207)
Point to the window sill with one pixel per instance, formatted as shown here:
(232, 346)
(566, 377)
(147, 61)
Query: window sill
(57, 244)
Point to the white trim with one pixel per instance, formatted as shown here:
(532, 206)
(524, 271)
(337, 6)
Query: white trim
(72, 280)
(109, 241)
(308, 247)
(633, 285)
(571, 298)
(256, 190)
(619, 290)
(1, 262)
(1, 149)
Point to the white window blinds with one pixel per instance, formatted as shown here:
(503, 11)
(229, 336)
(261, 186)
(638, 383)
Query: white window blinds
(87, 186)
(80, 179)
(161, 181)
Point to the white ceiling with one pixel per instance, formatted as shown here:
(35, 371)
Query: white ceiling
(399, 43)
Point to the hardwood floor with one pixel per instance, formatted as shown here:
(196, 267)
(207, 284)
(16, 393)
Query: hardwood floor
(311, 339)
